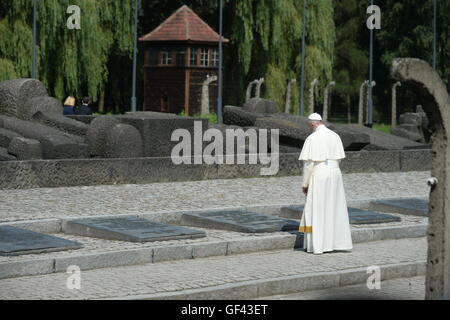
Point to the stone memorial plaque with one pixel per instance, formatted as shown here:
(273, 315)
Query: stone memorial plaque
(240, 221)
(15, 241)
(131, 229)
(356, 216)
(411, 206)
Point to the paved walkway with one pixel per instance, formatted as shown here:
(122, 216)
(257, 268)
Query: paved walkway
(175, 276)
(43, 203)
(397, 289)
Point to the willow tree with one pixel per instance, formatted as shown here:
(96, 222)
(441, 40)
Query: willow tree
(70, 61)
(266, 42)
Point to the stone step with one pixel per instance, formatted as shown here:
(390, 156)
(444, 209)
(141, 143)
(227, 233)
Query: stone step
(242, 276)
(99, 253)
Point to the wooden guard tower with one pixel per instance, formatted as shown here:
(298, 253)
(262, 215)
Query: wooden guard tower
(179, 55)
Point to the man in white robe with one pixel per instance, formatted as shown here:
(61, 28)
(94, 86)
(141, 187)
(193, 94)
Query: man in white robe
(325, 222)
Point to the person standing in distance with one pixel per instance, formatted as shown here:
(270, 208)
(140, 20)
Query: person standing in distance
(84, 109)
(325, 222)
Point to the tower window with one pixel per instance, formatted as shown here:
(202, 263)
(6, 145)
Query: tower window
(166, 58)
(204, 57)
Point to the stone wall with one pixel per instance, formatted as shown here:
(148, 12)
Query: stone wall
(86, 172)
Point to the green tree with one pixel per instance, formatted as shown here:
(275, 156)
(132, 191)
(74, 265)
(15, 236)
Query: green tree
(265, 41)
(351, 56)
(70, 62)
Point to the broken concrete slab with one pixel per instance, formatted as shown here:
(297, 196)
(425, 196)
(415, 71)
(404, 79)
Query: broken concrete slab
(55, 144)
(6, 136)
(25, 149)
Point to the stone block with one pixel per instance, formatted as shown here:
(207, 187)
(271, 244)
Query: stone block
(46, 105)
(411, 118)
(26, 268)
(203, 250)
(15, 93)
(62, 123)
(408, 206)
(284, 242)
(170, 253)
(156, 130)
(25, 149)
(416, 160)
(97, 133)
(408, 131)
(123, 141)
(371, 161)
(239, 117)
(105, 259)
(55, 144)
(6, 136)
(5, 156)
(260, 105)
(383, 141)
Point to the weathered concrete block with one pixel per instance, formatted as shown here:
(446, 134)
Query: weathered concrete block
(25, 149)
(411, 160)
(172, 253)
(124, 141)
(6, 136)
(105, 259)
(81, 118)
(239, 117)
(25, 268)
(384, 141)
(97, 133)
(291, 133)
(373, 161)
(157, 128)
(5, 156)
(202, 250)
(409, 131)
(15, 93)
(55, 144)
(46, 105)
(260, 105)
(411, 118)
(59, 122)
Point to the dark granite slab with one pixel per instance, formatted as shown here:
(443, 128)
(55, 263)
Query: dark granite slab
(240, 221)
(356, 216)
(409, 206)
(131, 229)
(15, 241)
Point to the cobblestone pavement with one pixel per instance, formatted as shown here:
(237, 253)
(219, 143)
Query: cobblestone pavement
(397, 289)
(44, 203)
(208, 272)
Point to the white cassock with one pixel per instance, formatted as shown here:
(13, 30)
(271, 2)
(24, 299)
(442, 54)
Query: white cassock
(325, 222)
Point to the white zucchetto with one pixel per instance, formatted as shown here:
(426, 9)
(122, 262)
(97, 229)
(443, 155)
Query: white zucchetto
(315, 117)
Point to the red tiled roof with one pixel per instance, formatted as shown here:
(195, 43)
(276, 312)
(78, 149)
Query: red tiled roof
(183, 25)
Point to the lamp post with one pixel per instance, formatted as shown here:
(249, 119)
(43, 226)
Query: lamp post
(302, 81)
(370, 111)
(133, 97)
(219, 94)
(434, 32)
(33, 67)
